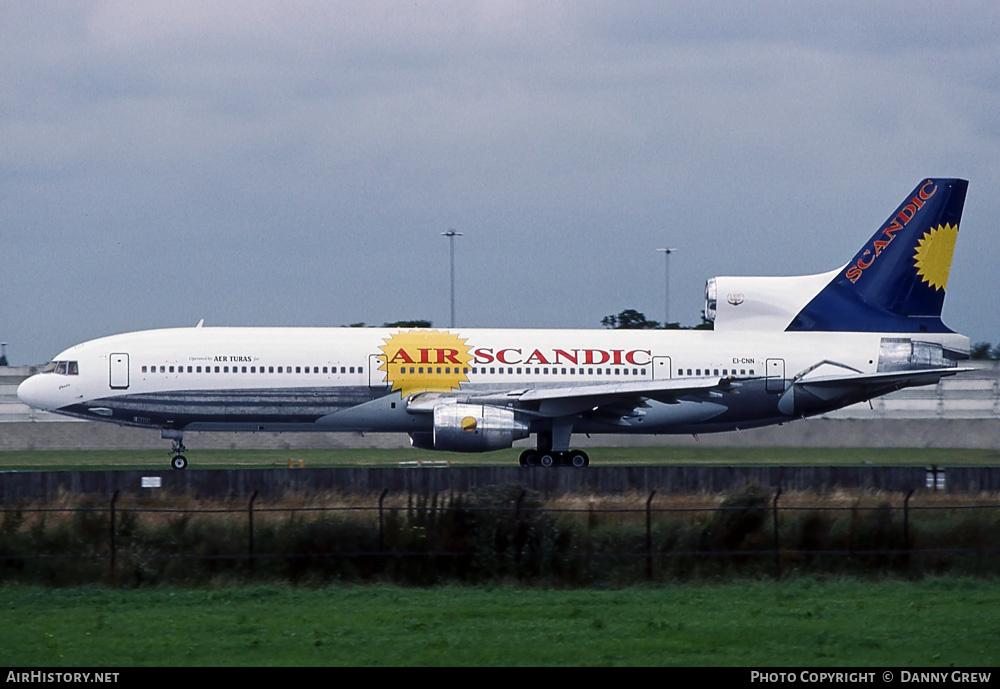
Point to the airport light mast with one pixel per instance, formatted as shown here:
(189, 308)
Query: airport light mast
(666, 285)
(451, 234)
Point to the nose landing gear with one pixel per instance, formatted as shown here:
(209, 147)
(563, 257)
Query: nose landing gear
(177, 459)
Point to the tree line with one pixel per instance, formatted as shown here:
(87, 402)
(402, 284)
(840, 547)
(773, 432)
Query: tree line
(984, 350)
(630, 319)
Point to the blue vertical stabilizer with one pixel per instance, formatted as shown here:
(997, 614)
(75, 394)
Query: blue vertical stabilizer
(897, 281)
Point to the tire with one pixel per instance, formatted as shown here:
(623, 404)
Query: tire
(579, 460)
(179, 463)
(546, 460)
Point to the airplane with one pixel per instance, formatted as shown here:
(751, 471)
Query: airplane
(781, 348)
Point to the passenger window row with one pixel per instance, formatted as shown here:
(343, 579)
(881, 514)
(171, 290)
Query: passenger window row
(539, 370)
(253, 369)
(713, 372)
(70, 368)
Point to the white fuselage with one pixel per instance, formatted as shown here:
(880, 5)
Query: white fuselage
(362, 379)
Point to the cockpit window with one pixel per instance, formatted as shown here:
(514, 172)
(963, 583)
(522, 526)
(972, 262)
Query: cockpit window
(63, 368)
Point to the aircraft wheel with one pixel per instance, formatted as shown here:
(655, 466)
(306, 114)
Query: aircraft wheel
(527, 458)
(546, 460)
(179, 462)
(579, 459)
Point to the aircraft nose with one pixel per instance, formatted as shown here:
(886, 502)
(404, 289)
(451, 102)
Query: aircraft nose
(36, 392)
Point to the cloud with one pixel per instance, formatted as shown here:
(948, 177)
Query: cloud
(306, 156)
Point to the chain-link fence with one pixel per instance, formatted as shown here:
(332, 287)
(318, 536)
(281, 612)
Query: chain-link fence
(500, 534)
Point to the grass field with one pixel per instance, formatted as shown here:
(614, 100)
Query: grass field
(804, 623)
(602, 456)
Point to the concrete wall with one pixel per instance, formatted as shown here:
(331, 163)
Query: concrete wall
(959, 412)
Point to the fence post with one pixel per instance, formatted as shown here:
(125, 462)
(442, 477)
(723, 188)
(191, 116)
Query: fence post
(590, 539)
(906, 527)
(114, 499)
(381, 521)
(519, 535)
(250, 523)
(777, 542)
(649, 536)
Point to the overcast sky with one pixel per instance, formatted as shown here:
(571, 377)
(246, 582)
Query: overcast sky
(294, 163)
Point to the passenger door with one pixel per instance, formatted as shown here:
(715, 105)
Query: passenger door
(661, 368)
(775, 375)
(377, 378)
(119, 371)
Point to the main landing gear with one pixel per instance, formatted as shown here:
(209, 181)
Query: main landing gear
(177, 459)
(550, 458)
(552, 448)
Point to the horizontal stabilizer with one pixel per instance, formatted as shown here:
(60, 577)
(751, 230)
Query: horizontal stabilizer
(901, 379)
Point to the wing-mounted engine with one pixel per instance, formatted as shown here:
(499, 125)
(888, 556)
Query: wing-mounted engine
(471, 428)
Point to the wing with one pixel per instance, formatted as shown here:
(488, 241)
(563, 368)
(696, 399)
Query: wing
(606, 399)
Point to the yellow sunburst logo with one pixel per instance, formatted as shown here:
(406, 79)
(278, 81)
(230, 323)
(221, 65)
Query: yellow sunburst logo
(425, 361)
(934, 252)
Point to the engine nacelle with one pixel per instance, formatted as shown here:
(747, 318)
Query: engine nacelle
(711, 299)
(471, 428)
